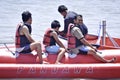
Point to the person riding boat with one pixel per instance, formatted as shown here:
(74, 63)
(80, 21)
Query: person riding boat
(77, 42)
(23, 41)
(68, 18)
(51, 39)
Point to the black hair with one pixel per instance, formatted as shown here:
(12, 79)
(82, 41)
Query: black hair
(62, 8)
(26, 15)
(55, 24)
(77, 16)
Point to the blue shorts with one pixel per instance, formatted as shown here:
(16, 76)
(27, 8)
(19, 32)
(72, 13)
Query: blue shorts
(53, 49)
(83, 50)
(26, 49)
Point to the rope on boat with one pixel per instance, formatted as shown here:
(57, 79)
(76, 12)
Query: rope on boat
(104, 32)
(8, 48)
(112, 40)
(99, 34)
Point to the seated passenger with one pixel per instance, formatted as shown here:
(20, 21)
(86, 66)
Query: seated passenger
(78, 44)
(50, 40)
(24, 42)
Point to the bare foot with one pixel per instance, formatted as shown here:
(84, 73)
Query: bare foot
(44, 62)
(58, 63)
(112, 60)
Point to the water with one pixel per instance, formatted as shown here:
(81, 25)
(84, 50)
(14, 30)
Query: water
(45, 11)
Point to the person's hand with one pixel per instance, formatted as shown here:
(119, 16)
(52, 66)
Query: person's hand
(62, 33)
(67, 50)
(94, 49)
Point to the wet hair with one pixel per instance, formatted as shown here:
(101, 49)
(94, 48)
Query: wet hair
(77, 16)
(55, 24)
(62, 8)
(26, 15)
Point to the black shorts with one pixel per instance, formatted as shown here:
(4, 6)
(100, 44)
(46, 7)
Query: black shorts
(26, 49)
(83, 50)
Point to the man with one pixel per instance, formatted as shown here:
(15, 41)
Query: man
(24, 42)
(68, 18)
(77, 42)
(50, 40)
(82, 26)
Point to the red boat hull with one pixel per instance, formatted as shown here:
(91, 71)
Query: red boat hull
(60, 71)
(8, 57)
(82, 66)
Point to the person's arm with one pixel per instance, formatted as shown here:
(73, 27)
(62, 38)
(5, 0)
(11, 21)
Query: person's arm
(54, 34)
(27, 34)
(85, 42)
(78, 35)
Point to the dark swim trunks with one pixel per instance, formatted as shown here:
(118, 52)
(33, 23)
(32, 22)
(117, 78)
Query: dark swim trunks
(83, 50)
(26, 49)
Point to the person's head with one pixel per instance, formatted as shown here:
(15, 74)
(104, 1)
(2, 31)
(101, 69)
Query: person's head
(27, 17)
(78, 19)
(62, 9)
(55, 25)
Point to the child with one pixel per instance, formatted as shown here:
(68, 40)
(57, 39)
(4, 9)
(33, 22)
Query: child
(50, 40)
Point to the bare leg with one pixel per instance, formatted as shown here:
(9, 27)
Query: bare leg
(37, 46)
(60, 55)
(101, 58)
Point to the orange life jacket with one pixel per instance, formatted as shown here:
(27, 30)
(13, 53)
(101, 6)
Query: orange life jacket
(17, 36)
(73, 42)
(21, 40)
(71, 39)
(47, 37)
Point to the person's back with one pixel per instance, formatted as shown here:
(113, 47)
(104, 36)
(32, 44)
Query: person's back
(70, 15)
(69, 19)
(48, 39)
(21, 39)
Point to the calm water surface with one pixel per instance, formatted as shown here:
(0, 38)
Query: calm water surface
(45, 11)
